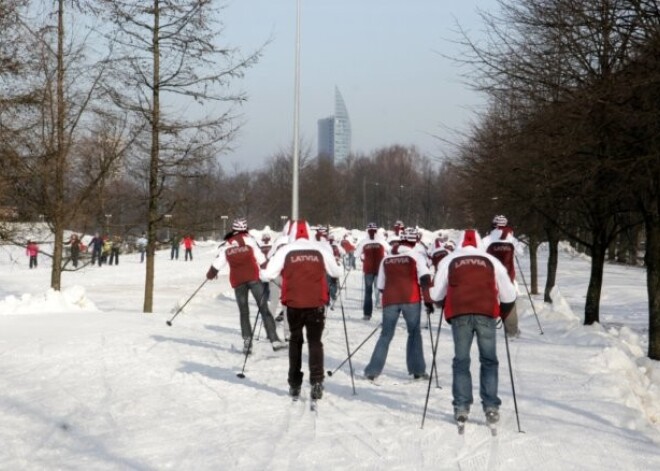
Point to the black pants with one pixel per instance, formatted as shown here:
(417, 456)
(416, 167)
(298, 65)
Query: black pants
(114, 256)
(313, 320)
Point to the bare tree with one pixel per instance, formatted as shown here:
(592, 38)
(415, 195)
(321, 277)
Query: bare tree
(62, 84)
(169, 64)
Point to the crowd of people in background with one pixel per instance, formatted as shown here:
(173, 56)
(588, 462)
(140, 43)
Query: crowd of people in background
(105, 249)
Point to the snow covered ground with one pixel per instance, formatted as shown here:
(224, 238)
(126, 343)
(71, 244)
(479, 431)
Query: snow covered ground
(88, 382)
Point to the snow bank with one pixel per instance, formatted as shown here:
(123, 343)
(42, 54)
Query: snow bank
(621, 367)
(67, 300)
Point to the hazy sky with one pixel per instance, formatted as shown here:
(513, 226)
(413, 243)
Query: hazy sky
(383, 55)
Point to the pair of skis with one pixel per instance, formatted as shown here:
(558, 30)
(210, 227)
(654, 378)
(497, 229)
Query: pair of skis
(312, 402)
(460, 423)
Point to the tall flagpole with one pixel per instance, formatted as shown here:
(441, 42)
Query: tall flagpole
(296, 123)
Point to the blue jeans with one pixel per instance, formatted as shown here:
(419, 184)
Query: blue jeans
(414, 350)
(257, 290)
(369, 283)
(463, 329)
(333, 287)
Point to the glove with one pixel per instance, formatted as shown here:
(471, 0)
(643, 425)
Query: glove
(505, 309)
(212, 273)
(429, 308)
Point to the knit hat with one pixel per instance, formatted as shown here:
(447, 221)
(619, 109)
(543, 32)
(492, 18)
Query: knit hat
(409, 235)
(299, 230)
(500, 221)
(239, 225)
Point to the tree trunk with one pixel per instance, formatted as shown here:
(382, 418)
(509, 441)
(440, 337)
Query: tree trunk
(153, 171)
(553, 261)
(60, 159)
(533, 265)
(592, 304)
(651, 257)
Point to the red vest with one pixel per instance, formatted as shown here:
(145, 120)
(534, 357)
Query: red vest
(304, 283)
(373, 253)
(401, 285)
(471, 287)
(243, 266)
(347, 246)
(505, 253)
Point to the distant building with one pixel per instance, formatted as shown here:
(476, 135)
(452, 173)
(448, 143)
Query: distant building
(334, 133)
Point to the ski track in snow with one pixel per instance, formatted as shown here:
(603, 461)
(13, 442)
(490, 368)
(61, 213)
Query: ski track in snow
(118, 389)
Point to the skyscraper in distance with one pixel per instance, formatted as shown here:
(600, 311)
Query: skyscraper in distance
(334, 132)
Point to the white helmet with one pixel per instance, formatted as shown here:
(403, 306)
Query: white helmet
(500, 220)
(240, 225)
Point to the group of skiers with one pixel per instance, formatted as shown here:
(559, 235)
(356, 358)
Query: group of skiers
(470, 279)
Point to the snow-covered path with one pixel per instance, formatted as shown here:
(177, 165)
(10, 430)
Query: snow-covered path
(88, 382)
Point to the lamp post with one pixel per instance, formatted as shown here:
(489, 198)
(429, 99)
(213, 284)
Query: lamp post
(224, 224)
(107, 223)
(296, 121)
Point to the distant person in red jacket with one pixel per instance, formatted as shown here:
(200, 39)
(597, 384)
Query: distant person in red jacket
(32, 250)
(371, 251)
(502, 245)
(304, 266)
(404, 279)
(244, 258)
(475, 290)
(349, 248)
(188, 242)
(440, 250)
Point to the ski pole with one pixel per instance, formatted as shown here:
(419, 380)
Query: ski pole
(513, 388)
(261, 321)
(254, 327)
(330, 373)
(522, 275)
(433, 346)
(169, 322)
(435, 350)
(247, 350)
(348, 348)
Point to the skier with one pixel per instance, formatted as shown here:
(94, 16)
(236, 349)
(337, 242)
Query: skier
(338, 252)
(97, 246)
(403, 279)
(142, 245)
(274, 302)
(107, 248)
(303, 265)
(440, 250)
(349, 248)
(502, 245)
(371, 251)
(188, 242)
(76, 245)
(32, 250)
(175, 242)
(323, 238)
(114, 250)
(397, 232)
(244, 257)
(475, 290)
